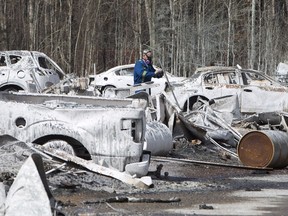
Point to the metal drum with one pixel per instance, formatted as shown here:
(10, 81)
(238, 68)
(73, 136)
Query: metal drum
(264, 149)
(158, 139)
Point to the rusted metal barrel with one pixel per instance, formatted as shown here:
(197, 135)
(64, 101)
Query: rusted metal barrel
(264, 149)
(158, 139)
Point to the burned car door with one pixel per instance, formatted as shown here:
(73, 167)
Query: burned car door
(48, 73)
(262, 95)
(211, 86)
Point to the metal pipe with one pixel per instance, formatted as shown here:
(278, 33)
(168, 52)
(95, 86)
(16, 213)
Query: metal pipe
(170, 85)
(169, 159)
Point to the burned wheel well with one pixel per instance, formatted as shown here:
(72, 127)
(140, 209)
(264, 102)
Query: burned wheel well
(11, 88)
(106, 87)
(78, 148)
(192, 101)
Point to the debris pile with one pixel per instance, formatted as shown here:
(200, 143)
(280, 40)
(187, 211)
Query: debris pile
(119, 138)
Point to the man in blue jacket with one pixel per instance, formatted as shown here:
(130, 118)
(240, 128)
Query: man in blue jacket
(144, 70)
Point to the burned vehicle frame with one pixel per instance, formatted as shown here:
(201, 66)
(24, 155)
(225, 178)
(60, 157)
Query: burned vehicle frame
(256, 91)
(30, 71)
(110, 132)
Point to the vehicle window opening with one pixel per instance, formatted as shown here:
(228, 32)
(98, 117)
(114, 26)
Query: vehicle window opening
(255, 79)
(252, 76)
(118, 73)
(42, 63)
(130, 72)
(126, 72)
(46, 64)
(14, 59)
(244, 78)
(123, 72)
(2, 61)
(222, 78)
(210, 79)
(232, 78)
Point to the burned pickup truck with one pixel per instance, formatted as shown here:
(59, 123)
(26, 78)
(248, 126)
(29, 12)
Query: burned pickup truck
(110, 132)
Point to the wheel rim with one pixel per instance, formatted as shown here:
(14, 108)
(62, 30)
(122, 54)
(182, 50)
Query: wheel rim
(60, 145)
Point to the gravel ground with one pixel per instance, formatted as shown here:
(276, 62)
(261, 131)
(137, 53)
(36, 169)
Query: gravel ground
(181, 188)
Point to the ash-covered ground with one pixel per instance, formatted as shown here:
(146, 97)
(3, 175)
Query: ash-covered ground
(179, 188)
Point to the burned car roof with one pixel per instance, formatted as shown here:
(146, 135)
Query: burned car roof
(213, 68)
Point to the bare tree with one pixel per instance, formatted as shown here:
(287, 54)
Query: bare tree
(150, 11)
(83, 35)
(32, 41)
(252, 45)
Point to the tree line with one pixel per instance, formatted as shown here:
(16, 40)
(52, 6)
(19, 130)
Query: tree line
(90, 36)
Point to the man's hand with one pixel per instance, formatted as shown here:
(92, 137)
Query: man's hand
(159, 73)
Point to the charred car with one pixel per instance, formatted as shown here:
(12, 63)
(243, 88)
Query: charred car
(256, 92)
(30, 71)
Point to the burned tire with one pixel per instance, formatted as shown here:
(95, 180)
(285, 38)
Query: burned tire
(60, 145)
(195, 103)
(12, 89)
(107, 91)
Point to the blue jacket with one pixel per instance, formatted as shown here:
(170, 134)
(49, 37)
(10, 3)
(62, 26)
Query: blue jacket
(143, 72)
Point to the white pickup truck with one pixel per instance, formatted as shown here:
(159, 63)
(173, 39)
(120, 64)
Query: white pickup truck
(108, 131)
